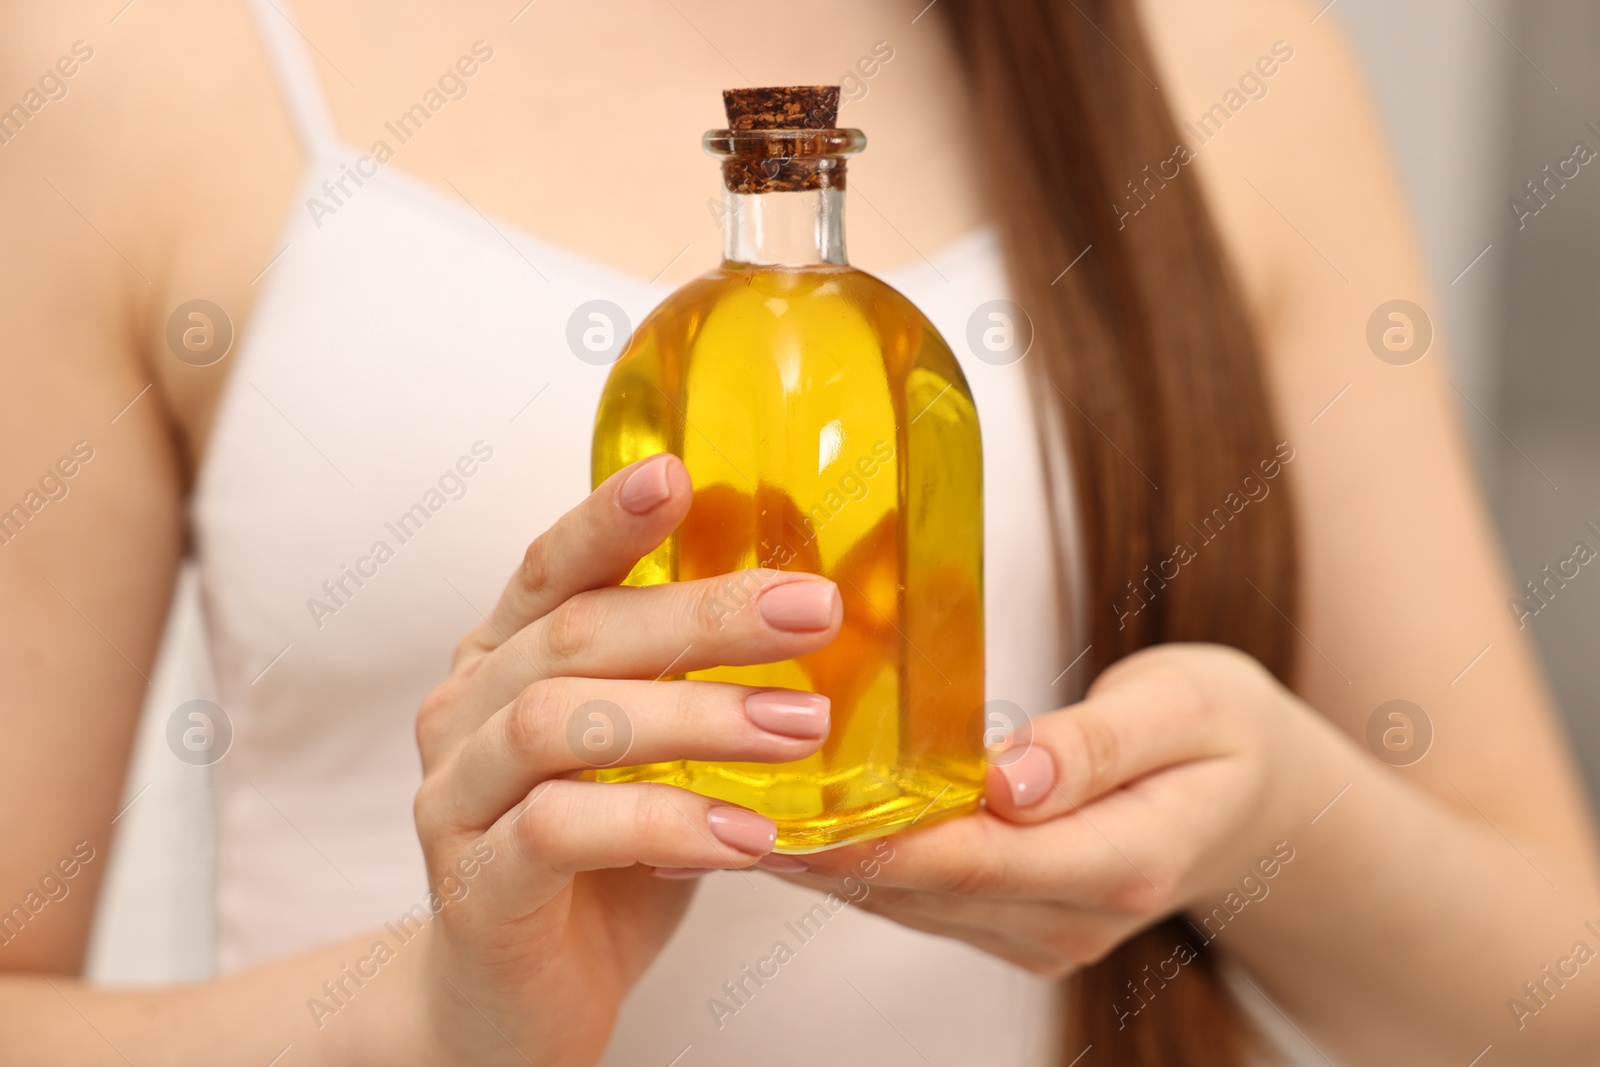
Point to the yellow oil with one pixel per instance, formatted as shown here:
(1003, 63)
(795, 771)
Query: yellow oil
(828, 429)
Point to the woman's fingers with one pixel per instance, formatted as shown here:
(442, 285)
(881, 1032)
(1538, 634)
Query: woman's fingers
(1068, 860)
(574, 724)
(564, 827)
(1027, 953)
(1068, 758)
(595, 544)
(1040, 936)
(1020, 920)
(755, 616)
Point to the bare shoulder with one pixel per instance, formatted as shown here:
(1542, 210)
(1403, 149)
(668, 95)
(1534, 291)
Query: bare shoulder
(139, 144)
(1403, 582)
(1287, 144)
(145, 157)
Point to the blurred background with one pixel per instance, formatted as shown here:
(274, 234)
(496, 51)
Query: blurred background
(1479, 96)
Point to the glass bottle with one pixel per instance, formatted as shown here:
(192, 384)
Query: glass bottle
(828, 429)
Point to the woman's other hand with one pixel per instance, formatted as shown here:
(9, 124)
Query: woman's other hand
(1184, 768)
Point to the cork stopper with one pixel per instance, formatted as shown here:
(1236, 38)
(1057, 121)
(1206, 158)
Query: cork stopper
(783, 139)
(796, 107)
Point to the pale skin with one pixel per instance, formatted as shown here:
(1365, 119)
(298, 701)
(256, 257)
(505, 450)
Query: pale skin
(1397, 933)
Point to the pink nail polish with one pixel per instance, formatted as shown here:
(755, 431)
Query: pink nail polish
(646, 487)
(800, 607)
(790, 713)
(743, 830)
(1030, 776)
(786, 864)
(679, 872)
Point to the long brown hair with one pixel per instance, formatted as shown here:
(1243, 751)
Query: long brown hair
(1146, 360)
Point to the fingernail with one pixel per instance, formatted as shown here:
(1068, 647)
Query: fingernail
(744, 830)
(679, 872)
(790, 713)
(800, 606)
(645, 487)
(1030, 776)
(786, 864)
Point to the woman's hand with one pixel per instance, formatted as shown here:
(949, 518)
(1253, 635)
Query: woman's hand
(563, 915)
(1179, 772)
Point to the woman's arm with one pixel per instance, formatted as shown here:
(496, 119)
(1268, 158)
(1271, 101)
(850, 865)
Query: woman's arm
(548, 895)
(1391, 926)
(1419, 899)
(1404, 582)
(1436, 894)
(86, 571)
(544, 907)
(123, 145)
(245, 1020)
(90, 524)
(91, 485)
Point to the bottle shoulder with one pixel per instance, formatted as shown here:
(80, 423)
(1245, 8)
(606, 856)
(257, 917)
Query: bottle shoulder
(823, 303)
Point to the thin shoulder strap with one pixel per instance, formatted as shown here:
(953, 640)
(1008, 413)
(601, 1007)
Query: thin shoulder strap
(297, 79)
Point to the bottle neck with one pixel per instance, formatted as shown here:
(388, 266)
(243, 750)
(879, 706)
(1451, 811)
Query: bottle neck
(789, 229)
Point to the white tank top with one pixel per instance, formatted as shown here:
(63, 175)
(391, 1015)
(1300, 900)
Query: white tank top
(397, 344)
